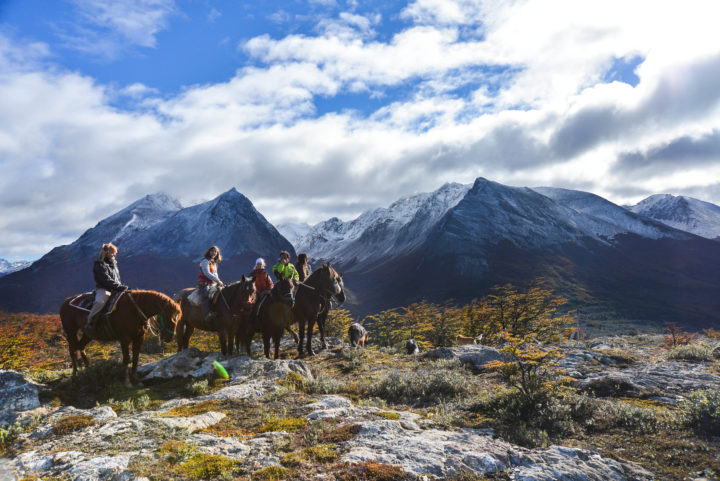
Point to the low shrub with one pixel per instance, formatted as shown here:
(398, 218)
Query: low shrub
(532, 422)
(697, 351)
(630, 417)
(271, 473)
(283, 424)
(321, 453)
(205, 466)
(177, 452)
(341, 434)
(370, 471)
(72, 423)
(701, 412)
(420, 387)
(198, 388)
(324, 384)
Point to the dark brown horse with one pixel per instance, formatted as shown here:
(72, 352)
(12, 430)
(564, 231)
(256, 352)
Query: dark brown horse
(127, 324)
(233, 304)
(312, 300)
(274, 316)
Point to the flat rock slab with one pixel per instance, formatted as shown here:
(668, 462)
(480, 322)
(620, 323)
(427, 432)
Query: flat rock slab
(445, 453)
(193, 363)
(674, 379)
(17, 394)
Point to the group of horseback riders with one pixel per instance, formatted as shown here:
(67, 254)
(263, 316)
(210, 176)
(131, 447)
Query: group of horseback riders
(107, 279)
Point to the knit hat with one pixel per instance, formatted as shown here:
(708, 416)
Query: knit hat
(260, 261)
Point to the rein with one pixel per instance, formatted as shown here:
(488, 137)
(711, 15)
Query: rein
(152, 330)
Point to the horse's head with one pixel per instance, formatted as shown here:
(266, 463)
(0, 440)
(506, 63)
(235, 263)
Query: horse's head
(335, 282)
(167, 320)
(243, 295)
(285, 286)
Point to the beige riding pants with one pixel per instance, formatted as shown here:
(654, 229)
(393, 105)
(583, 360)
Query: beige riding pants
(101, 298)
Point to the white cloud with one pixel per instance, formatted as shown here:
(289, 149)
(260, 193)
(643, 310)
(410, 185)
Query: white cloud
(71, 158)
(106, 27)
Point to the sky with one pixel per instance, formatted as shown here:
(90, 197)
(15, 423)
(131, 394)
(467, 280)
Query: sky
(321, 108)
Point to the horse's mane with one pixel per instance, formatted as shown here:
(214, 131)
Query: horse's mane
(165, 300)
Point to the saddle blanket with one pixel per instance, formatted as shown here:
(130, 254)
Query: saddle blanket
(85, 301)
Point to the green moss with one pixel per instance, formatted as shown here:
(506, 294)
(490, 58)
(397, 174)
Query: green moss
(272, 473)
(321, 453)
(389, 415)
(72, 423)
(283, 424)
(204, 466)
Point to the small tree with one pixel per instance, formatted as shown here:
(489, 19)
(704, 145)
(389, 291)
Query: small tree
(676, 336)
(386, 326)
(338, 322)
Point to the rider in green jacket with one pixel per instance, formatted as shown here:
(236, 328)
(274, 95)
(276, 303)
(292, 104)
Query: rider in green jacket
(285, 269)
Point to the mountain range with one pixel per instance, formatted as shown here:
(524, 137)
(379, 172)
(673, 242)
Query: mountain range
(652, 261)
(160, 244)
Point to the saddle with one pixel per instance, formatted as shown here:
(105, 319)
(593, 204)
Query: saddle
(195, 299)
(85, 301)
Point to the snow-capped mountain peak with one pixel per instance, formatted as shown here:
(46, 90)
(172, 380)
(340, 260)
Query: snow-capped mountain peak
(380, 231)
(8, 267)
(681, 212)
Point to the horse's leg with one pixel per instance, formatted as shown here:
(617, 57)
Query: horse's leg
(277, 335)
(84, 341)
(189, 329)
(222, 335)
(72, 347)
(136, 346)
(179, 334)
(310, 327)
(321, 326)
(293, 334)
(266, 343)
(125, 347)
(301, 332)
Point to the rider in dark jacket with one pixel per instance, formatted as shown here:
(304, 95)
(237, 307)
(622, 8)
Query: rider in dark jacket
(107, 281)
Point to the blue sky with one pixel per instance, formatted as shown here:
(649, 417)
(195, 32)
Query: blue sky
(345, 105)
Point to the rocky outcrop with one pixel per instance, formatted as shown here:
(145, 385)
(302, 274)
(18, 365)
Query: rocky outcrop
(16, 394)
(197, 364)
(444, 453)
(476, 355)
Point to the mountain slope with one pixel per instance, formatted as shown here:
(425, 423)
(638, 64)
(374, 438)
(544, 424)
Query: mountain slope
(498, 234)
(684, 213)
(384, 232)
(159, 244)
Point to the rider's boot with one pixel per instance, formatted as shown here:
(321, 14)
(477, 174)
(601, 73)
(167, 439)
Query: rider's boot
(90, 326)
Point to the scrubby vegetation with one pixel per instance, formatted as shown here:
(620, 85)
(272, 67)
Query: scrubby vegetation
(525, 398)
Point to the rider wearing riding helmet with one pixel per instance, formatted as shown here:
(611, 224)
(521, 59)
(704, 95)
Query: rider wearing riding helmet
(208, 278)
(262, 279)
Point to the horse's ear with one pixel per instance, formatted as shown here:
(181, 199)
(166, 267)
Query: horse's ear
(243, 277)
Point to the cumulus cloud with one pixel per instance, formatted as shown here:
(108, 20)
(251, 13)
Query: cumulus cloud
(512, 91)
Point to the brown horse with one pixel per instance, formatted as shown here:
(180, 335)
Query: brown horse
(233, 303)
(275, 316)
(312, 300)
(127, 324)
